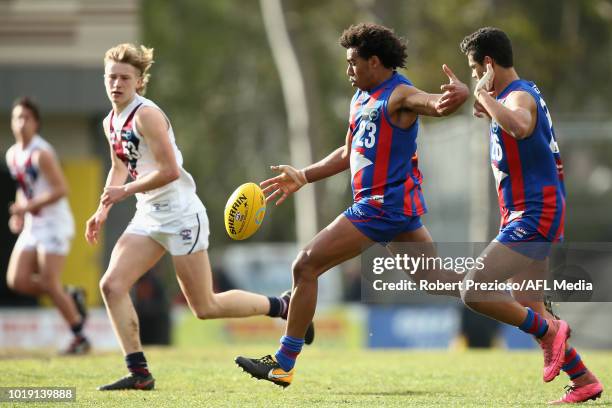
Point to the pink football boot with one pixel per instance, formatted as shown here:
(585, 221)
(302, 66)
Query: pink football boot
(553, 346)
(581, 393)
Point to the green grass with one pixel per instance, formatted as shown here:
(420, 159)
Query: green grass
(325, 377)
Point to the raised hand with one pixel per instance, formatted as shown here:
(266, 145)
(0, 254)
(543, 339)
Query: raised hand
(286, 183)
(455, 93)
(486, 82)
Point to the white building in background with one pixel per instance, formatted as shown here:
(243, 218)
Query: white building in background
(52, 51)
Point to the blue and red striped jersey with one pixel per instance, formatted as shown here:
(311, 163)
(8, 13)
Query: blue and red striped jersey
(384, 162)
(529, 172)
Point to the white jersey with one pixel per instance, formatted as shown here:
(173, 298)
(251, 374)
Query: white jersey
(24, 168)
(164, 204)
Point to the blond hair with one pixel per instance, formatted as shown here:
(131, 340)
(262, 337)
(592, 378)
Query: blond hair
(140, 57)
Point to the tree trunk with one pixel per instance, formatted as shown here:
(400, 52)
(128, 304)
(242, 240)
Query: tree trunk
(292, 83)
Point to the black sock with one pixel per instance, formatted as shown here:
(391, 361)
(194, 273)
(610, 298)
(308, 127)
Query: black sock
(77, 329)
(137, 364)
(276, 306)
(284, 307)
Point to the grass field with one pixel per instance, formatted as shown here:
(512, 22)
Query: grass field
(208, 377)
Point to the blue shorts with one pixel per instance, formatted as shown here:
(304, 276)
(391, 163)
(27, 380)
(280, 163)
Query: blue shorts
(379, 225)
(520, 236)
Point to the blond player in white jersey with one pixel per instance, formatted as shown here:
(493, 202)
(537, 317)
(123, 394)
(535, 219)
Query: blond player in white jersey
(42, 218)
(169, 215)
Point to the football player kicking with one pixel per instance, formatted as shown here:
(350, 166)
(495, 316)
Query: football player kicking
(169, 215)
(380, 150)
(529, 176)
(388, 203)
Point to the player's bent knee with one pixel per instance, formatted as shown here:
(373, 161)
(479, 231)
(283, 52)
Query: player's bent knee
(303, 269)
(468, 294)
(53, 287)
(469, 297)
(204, 314)
(15, 284)
(21, 284)
(44, 285)
(105, 288)
(206, 311)
(475, 306)
(111, 288)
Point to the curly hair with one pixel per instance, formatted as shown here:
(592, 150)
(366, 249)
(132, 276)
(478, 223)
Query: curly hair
(371, 39)
(140, 58)
(488, 41)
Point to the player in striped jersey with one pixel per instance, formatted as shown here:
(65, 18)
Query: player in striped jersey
(380, 150)
(529, 176)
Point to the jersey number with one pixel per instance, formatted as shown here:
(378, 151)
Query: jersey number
(368, 139)
(130, 150)
(496, 149)
(554, 147)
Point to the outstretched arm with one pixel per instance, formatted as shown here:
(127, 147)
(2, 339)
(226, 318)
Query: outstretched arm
(334, 163)
(422, 103)
(291, 179)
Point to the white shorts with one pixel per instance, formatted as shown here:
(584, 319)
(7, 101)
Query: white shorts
(183, 236)
(49, 240)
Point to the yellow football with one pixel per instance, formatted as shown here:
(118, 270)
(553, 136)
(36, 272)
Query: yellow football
(244, 211)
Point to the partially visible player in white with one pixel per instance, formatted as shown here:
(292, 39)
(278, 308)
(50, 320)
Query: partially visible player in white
(169, 215)
(42, 218)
